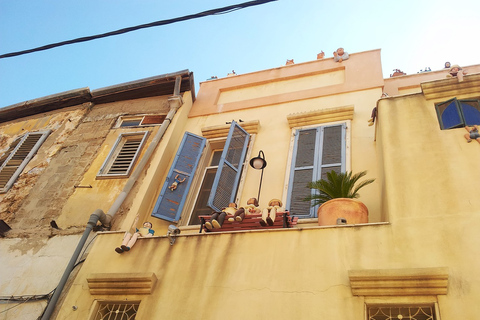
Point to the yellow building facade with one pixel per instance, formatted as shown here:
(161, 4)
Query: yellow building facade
(414, 259)
(411, 260)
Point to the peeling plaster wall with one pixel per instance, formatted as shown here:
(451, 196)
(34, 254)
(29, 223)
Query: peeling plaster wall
(33, 254)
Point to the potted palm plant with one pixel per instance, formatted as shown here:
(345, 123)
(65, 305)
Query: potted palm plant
(337, 198)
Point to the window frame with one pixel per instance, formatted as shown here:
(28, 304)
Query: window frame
(112, 156)
(213, 145)
(140, 118)
(190, 188)
(457, 107)
(31, 153)
(316, 174)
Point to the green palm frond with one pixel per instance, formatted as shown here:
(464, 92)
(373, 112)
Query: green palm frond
(337, 185)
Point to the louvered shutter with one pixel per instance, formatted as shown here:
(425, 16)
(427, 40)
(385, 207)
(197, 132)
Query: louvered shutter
(229, 169)
(170, 203)
(17, 156)
(126, 156)
(316, 152)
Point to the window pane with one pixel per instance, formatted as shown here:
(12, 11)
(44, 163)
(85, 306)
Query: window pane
(300, 191)
(131, 122)
(337, 169)
(216, 158)
(449, 115)
(332, 145)
(306, 148)
(201, 208)
(471, 111)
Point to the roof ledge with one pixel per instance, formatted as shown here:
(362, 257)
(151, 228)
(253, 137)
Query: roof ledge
(451, 87)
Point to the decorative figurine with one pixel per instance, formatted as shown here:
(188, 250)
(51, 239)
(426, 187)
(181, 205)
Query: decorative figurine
(289, 62)
(340, 55)
(129, 239)
(250, 208)
(176, 182)
(217, 219)
(456, 71)
(320, 55)
(270, 212)
(472, 134)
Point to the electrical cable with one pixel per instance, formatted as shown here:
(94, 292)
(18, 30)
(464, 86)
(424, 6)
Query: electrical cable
(218, 11)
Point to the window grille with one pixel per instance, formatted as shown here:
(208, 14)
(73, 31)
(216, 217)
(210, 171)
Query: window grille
(117, 311)
(401, 313)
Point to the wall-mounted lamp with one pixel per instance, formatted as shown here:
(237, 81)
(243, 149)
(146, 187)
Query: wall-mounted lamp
(259, 163)
(172, 232)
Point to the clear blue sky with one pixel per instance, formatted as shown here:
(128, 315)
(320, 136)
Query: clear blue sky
(412, 34)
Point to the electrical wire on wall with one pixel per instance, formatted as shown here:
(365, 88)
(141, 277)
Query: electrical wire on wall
(218, 11)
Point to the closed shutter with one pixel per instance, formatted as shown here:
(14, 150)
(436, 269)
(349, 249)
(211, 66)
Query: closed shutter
(121, 159)
(316, 152)
(230, 168)
(14, 160)
(125, 158)
(170, 203)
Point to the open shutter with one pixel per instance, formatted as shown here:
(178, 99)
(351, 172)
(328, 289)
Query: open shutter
(17, 156)
(229, 168)
(170, 202)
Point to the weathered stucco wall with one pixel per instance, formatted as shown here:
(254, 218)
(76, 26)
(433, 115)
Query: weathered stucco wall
(283, 274)
(34, 255)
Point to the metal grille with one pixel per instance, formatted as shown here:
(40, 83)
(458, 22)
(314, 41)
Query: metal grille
(401, 313)
(117, 311)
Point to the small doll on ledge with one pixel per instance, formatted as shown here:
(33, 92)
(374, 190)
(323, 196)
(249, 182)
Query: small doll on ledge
(129, 239)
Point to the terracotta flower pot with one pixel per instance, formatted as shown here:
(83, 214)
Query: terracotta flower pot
(352, 210)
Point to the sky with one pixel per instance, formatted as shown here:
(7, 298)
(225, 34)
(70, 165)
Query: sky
(412, 35)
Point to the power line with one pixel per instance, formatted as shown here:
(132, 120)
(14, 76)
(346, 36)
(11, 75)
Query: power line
(223, 10)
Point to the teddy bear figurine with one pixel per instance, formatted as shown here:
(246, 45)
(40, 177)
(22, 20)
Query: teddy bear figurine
(217, 219)
(269, 213)
(250, 208)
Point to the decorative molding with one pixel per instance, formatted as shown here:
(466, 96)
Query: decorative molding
(121, 283)
(320, 116)
(451, 87)
(222, 131)
(399, 282)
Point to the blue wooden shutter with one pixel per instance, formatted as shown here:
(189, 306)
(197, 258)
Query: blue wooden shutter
(170, 203)
(229, 168)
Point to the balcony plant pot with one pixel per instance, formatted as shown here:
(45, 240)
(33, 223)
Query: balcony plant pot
(352, 211)
(336, 194)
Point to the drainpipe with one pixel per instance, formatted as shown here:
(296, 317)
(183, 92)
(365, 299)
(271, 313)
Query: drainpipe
(92, 222)
(175, 102)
